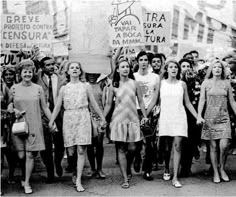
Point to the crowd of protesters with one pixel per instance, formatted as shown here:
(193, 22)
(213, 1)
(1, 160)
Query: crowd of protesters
(151, 103)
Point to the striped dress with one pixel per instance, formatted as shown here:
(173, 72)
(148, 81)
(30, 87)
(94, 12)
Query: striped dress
(125, 125)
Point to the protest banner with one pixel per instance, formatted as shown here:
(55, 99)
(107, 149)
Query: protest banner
(156, 28)
(10, 58)
(125, 23)
(24, 31)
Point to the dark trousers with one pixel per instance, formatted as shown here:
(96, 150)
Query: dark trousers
(149, 151)
(149, 155)
(50, 139)
(190, 144)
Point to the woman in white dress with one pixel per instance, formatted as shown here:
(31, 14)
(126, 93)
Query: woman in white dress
(76, 97)
(173, 121)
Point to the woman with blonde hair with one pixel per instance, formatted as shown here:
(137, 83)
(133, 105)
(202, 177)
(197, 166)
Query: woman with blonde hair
(29, 97)
(216, 93)
(75, 97)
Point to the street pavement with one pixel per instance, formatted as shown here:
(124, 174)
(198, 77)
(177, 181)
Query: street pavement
(199, 184)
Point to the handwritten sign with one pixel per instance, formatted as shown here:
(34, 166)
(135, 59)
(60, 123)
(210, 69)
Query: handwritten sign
(10, 58)
(24, 31)
(157, 28)
(125, 23)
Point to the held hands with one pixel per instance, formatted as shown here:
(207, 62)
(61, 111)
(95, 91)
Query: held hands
(103, 124)
(52, 127)
(200, 120)
(144, 121)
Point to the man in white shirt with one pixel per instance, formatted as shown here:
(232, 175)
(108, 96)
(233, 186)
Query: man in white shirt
(149, 83)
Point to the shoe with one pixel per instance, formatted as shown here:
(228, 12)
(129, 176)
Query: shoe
(224, 177)
(28, 190)
(166, 176)
(100, 174)
(59, 170)
(147, 176)
(125, 184)
(234, 151)
(137, 166)
(176, 184)
(216, 179)
(92, 173)
(79, 187)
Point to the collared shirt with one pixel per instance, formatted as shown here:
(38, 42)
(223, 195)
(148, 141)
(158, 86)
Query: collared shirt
(54, 86)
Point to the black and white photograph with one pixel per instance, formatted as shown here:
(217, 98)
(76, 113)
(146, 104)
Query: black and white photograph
(118, 97)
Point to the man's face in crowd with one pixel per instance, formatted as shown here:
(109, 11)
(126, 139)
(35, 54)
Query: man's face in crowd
(49, 66)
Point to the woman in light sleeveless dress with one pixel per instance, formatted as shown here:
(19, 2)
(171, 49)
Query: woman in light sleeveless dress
(173, 121)
(125, 124)
(75, 97)
(216, 94)
(29, 97)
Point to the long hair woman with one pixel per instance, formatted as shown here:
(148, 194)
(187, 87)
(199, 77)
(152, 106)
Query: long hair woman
(216, 94)
(125, 124)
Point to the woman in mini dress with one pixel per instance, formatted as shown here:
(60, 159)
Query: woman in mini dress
(216, 95)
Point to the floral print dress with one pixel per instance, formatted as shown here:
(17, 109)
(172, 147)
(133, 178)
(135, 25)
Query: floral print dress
(76, 119)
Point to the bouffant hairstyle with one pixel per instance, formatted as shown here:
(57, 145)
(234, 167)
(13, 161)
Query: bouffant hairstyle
(165, 72)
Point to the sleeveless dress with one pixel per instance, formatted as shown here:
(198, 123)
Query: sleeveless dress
(217, 121)
(125, 125)
(173, 119)
(27, 98)
(76, 119)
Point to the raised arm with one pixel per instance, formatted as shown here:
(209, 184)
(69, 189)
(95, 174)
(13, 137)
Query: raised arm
(113, 61)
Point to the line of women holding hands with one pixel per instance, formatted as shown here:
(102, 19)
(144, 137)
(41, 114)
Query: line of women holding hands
(77, 95)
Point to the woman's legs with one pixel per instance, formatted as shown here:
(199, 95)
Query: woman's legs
(214, 161)
(177, 156)
(167, 146)
(71, 155)
(22, 161)
(29, 166)
(223, 155)
(130, 157)
(81, 152)
(122, 148)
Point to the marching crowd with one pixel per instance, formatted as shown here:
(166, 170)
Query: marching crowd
(145, 104)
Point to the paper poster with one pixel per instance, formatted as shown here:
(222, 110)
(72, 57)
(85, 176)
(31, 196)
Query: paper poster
(24, 31)
(125, 23)
(157, 28)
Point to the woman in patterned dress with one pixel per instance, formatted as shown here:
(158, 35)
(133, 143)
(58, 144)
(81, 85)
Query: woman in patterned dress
(125, 124)
(76, 97)
(216, 93)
